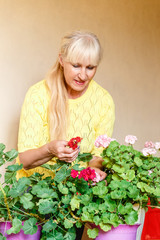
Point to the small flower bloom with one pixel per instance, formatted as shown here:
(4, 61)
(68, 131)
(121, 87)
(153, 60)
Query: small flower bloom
(74, 173)
(73, 142)
(97, 178)
(149, 144)
(157, 145)
(103, 141)
(148, 151)
(130, 139)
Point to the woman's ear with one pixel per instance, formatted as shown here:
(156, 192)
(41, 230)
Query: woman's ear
(61, 60)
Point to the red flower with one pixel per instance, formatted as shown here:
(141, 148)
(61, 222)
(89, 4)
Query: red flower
(74, 173)
(87, 174)
(73, 142)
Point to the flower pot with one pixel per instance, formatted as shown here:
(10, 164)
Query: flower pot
(122, 232)
(4, 226)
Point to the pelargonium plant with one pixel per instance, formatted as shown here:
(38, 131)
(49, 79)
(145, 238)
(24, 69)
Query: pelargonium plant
(76, 196)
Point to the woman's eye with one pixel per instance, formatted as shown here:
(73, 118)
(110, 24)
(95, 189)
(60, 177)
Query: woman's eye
(75, 65)
(90, 67)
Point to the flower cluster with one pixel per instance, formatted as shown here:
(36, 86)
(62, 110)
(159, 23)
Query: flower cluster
(150, 148)
(103, 141)
(130, 139)
(73, 142)
(86, 174)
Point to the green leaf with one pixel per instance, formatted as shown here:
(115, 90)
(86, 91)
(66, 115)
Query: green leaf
(15, 167)
(87, 217)
(71, 234)
(101, 189)
(11, 155)
(47, 206)
(43, 191)
(30, 226)
(62, 188)
(66, 199)
(138, 161)
(131, 217)
(118, 168)
(16, 226)
(2, 237)
(49, 225)
(19, 187)
(93, 233)
(61, 174)
(124, 209)
(25, 199)
(118, 194)
(68, 223)
(105, 227)
(2, 147)
(75, 203)
(133, 192)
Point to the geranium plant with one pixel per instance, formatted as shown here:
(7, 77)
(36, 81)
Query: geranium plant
(75, 197)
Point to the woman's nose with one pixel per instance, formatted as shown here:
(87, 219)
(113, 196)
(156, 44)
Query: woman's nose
(83, 75)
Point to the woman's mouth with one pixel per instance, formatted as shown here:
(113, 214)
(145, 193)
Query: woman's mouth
(79, 82)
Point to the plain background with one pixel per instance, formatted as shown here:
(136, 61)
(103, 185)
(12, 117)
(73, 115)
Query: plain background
(129, 31)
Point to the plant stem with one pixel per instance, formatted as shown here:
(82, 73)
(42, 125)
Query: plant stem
(5, 201)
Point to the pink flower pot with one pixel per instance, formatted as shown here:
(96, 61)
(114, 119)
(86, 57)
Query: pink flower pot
(4, 226)
(122, 232)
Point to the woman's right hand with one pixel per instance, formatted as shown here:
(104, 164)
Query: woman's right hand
(59, 149)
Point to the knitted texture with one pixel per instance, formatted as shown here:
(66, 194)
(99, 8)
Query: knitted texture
(90, 115)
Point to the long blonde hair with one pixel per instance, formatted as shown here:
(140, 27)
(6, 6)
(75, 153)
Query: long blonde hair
(75, 47)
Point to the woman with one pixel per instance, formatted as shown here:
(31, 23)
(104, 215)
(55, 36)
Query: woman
(69, 103)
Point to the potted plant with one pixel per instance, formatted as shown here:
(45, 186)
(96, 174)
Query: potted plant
(74, 197)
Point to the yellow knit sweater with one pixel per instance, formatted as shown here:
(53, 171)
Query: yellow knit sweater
(90, 115)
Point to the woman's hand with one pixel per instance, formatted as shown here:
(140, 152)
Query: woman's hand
(59, 149)
(100, 173)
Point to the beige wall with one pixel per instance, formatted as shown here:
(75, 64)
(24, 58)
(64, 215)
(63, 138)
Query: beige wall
(129, 30)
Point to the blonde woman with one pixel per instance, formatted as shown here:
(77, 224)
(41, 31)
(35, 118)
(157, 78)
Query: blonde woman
(67, 104)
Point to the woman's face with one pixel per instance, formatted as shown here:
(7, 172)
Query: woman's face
(77, 76)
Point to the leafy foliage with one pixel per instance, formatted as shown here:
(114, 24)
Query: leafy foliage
(63, 203)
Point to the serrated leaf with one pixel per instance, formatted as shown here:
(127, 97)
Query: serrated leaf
(93, 233)
(131, 217)
(49, 225)
(68, 223)
(75, 203)
(71, 234)
(11, 155)
(61, 174)
(101, 189)
(62, 188)
(46, 206)
(25, 199)
(30, 226)
(16, 226)
(105, 227)
(19, 187)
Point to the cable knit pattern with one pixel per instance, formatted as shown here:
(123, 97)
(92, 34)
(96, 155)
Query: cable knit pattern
(91, 115)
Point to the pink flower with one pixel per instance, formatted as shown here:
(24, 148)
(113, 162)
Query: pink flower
(149, 144)
(74, 173)
(103, 141)
(157, 145)
(148, 151)
(130, 139)
(97, 178)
